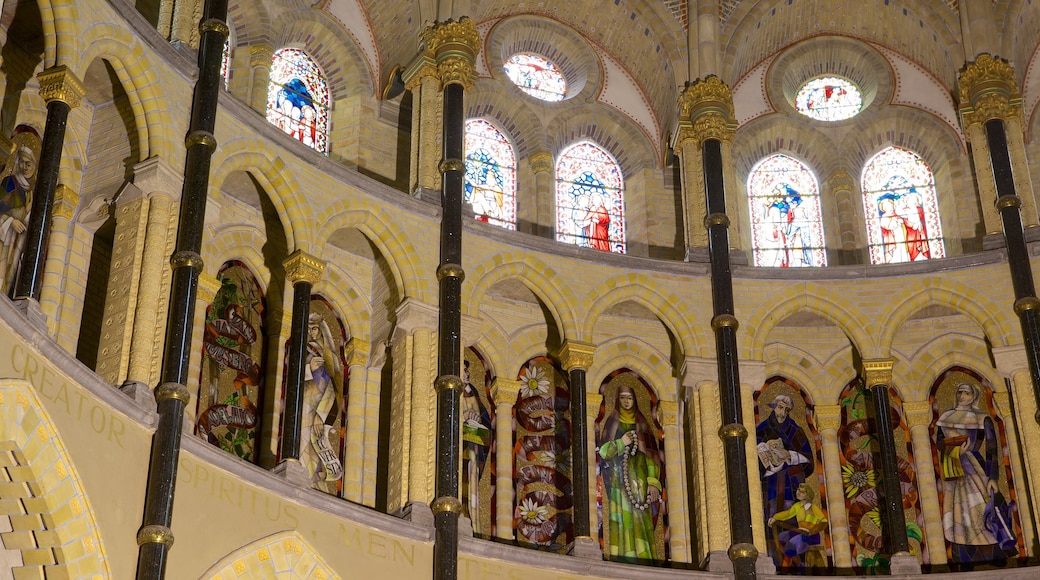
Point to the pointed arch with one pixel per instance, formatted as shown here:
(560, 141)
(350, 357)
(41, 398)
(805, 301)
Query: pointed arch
(641, 357)
(647, 292)
(490, 186)
(811, 298)
(786, 216)
(283, 556)
(65, 525)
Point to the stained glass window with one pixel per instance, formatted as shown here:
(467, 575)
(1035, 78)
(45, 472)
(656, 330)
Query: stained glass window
(298, 98)
(490, 174)
(225, 62)
(590, 205)
(786, 222)
(901, 209)
(828, 99)
(536, 76)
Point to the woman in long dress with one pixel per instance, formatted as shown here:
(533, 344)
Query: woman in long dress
(631, 468)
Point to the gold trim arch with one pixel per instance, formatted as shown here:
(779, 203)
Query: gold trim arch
(645, 291)
(32, 450)
(810, 298)
(282, 556)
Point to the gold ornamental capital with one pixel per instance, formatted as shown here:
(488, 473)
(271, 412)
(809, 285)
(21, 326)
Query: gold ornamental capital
(840, 180)
(542, 162)
(669, 413)
(425, 67)
(303, 267)
(828, 417)
(706, 108)
(60, 84)
(988, 90)
(356, 352)
(505, 391)
(455, 44)
(577, 355)
(260, 55)
(917, 413)
(878, 371)
(66, 200)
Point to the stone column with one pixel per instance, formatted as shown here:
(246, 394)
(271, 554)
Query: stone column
(828, 419)
(843, 192)
(1002, 401)
(1011, 362)
(545, 195)
(357, 374)
(678, 519)
(303, 271)
(687, 149)
(709, 524)
(504, 392)
(878, 376)
(62, 91)
(421, 78)
(593, 401)
(919, 418)
(261, 56)
(208, 286)
(66, 201)
(155, 538)
(576, 358)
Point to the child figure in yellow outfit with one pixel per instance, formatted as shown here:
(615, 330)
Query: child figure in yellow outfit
(799, 526)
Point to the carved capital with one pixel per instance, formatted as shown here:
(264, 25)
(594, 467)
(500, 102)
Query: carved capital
(669, 413)
(592, 403)
(840, 180)
(60, 84)
(988, 90)
(455, 44)
(542, 162)
(918, 413)
(878, 371)
(65, 202)
(303, 267)
(1002, 400)
(208, 287)
(260, 55)
(425, 67)
(357, 352)
(828, 417)
(707, 104)
(576, 355)
(505, 391)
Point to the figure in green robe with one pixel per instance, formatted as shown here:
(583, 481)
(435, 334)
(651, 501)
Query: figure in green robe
(631, 465)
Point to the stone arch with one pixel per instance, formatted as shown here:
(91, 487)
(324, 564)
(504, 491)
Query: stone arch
(339, 289)
(230, 243)
(645, 291)
(615, 133)
(48, 485)
(63, 27)
(638, 356)
(523, 346)
(536, 275)
(345, 67)
(282, 556)
(789, 362)
(275, 178)
(383, 231)
(251, 21)
(517, 120)
(936, 357)
(492, 345)
(944, 292)
(804, 140)
(809, 297)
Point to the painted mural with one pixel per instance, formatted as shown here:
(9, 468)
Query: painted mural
(791, 469)
(323, 416)
(973, 468)
(541, 458)
(630, 471)
(231, 386)
(478, 440)
(858, 450)
(16, 185)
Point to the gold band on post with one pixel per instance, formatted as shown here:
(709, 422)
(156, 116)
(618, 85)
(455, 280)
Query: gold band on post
(172, 391)
(453, 270)
(724, 320)
(450, 382)
(1006, 201)
(1026, 303)
(716, 219)
(186, 258)
(742, 550)
(201, 138)
(453, 165)
(446, 503)
(732, 430)
(214, 25)
(154, 534)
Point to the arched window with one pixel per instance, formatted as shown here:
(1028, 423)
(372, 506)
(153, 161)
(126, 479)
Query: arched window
(490, 174)
(901, 210)
(590, 203)
(298, 98)
(786, 222)
(536, 76)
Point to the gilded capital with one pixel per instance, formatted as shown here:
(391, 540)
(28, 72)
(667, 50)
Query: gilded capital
(208, 287)
(918, 413)
(542, 162)
(878, 371)
(828, 417)
(60, 84)
(357, 351)
(66, 200)
(706, 108)
(505, 391)
(455, 44)
(840, 180)
(303, 267)
(988, 90)
(592, 403)
(425, 67)
(669, 413)
(576, 355)
(260, 55)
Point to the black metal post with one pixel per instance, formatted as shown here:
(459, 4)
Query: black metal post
(290, 447)
(733, 433)
(155, 537)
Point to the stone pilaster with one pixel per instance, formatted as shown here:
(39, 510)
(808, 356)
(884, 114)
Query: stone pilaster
(504, 392)
(261, 57)
(828, 419)
(678, 518)
(357, 353)
(545, 194)
(66, 201)
(919, 418)
(422, 80)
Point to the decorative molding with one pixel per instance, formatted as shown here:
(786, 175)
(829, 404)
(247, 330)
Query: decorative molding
(706, 111)
(878, 371)
(541, 162)
(260, 55)
(828, 417)
(455, 43)
(66, 200)
(356, 352)
(577, 355)
(303, 267)
(505, 391)
(60, 84)
(840, 180)
(918, 413)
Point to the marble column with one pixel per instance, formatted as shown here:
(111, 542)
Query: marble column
(504, 392)
(828, 419)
